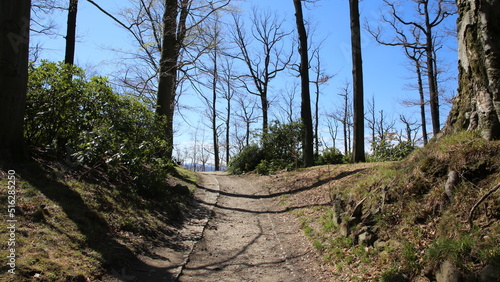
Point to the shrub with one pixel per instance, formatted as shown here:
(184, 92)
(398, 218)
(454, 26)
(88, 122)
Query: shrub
(331, 156)
(246, 160)
(280, 148)
(71, 116)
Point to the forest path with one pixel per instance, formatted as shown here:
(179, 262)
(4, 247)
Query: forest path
(248, 237)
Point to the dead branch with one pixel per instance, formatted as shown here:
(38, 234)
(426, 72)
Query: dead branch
(469, 219)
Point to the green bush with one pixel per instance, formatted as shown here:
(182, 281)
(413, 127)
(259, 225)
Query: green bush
(331, 156)
(246, 160)
(71, 116)
(280, 148)
(385, 150)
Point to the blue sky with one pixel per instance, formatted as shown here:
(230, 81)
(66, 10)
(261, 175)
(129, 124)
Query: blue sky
(385, 68)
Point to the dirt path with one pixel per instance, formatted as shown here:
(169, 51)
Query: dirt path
(248, 238)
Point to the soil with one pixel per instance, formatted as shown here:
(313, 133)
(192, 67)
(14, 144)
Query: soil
(236, 232)
(249, 238)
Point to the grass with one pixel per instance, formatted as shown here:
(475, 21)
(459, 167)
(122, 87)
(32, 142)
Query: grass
(76, 225)
(410, 213)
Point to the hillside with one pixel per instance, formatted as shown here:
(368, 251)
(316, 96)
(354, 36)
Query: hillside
(397, 221)
(434, 214)
(80, 223)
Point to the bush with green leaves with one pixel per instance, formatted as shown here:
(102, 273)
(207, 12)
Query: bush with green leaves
(386, 150)
(330, 156)
(280, 148)
(246, 160)
(69, 115)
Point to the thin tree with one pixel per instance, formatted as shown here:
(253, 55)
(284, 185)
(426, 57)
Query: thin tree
(415, 56)
(344, 116)
(477, 105)
(227, 94)
(358, 154)
(14, 53)
(410, 38)
(305, 108)
(265, 60)
(320, 78)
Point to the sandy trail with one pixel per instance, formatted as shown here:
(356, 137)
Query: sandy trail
(248, 238)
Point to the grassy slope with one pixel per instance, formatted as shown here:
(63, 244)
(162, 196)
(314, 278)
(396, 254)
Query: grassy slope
(75, 225)
(413, 224)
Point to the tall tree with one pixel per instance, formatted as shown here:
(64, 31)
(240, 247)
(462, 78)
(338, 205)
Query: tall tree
(408, 33)
(305, 106)
(358, 154)
(14, 50)
(71, 32)
(163, 41)
(477, 105)
(265, 59)
(174, 33)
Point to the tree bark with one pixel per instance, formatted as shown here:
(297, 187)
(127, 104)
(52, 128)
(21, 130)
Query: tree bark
(358, 154)
(173, 36)
(429, 51)
(477, 105)
(14, 43)
(305, 112)
(71, 32)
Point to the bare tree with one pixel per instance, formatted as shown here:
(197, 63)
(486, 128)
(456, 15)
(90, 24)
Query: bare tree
(344, 116)
(170, 41)
(333, 127)
(263, 59)
(410, 130)
(305, 106)
(320, 78)
(287, 104)
(228, 91)
(247, 114)
(408, 35)
(358, 154)
(415, 55)
(14, 50)
(477, 105)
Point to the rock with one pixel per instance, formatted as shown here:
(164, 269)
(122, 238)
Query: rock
(421, 279)
(366, 238)
(344, 228)
(490, 273)
(451, 182)
(379, 244)
(358, 209)
(448, 273)
(337, 210)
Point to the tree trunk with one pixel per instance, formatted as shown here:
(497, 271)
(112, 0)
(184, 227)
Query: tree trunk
(71, 32)
(305, 109)
(358, 154)
(214, 112)
(477, 105)
(14, 43)
(433, 92)
(173, 36)
(422, 102)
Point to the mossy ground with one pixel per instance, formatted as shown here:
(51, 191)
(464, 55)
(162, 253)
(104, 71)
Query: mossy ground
(408, 210)
(77, 224)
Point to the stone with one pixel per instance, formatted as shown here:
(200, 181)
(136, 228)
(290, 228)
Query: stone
(344, 228)
(366, 238)
(448, 273)
(490, 273)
